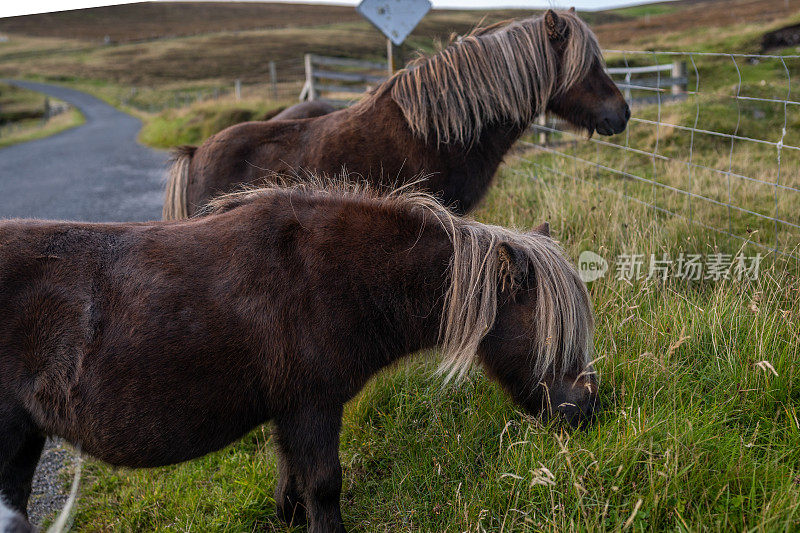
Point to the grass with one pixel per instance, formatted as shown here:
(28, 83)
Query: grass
(32, 130)
(646, 10)
(695, 435)
(241, 52)
(21, 116)
(196, 123)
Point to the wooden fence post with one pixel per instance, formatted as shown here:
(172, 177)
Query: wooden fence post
(310, 90)
(237, 89)
(541, 120)
(627, 92)
(273, 79)
(323, 76)
(679, 73)
(390, 56)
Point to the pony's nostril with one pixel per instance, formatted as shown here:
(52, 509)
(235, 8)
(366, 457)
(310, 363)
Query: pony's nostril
(627, 112)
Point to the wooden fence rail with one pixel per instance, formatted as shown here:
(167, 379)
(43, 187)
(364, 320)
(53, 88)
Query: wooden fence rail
(318, 80)
(676, 80)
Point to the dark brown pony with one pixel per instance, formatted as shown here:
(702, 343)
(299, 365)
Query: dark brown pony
(315, 108)
(148, 344)
(451, 117)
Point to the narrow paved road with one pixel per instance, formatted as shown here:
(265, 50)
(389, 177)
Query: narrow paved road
(95, 172)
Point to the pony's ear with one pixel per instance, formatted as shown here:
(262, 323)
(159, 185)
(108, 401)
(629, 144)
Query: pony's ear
(542, 229)
(513, 267)
(572, 9)
(556, 28)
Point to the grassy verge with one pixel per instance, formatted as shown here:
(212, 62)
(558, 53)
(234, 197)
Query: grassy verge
(695, 434)
(32, 130)
(196, 123)
(22, 116)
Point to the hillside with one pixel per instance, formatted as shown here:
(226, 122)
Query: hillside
(150, 20)
(156, 44)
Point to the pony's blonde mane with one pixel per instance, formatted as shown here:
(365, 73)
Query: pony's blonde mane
(493, 74)
(562, 340)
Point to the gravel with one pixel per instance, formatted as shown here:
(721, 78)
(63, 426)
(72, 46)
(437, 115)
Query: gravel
(50, 484)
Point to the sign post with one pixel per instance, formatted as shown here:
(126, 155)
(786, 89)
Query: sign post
(395, 19)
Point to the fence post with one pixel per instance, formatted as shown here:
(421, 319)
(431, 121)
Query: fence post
(390, 57)
(678, 71)
(273, 79)
(311, 91)
(237, 89)
(541, 120)
(628, 87)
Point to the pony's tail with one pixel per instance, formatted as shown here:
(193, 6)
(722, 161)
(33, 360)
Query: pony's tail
(61, 523)
(175, 202)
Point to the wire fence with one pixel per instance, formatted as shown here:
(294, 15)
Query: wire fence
(722, 150)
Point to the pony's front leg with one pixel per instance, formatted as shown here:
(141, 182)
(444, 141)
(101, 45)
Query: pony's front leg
(309, 448)
(290, 504)
(21, 445)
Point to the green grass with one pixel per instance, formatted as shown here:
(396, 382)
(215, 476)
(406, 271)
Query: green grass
(21, 116)
(692, 428)
(32, 130)
(197, 123)
(697, 433)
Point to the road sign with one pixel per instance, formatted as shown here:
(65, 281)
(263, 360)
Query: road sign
(395, 18)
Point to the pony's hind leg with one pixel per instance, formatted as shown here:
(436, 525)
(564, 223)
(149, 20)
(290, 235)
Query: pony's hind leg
(309, 448)
(21, 445)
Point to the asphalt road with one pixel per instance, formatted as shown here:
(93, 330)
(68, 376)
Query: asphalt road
(95, 172)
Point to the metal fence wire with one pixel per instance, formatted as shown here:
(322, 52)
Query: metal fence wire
(721, 151)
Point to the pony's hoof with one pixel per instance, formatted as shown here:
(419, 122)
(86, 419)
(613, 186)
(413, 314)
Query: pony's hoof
(292, 513)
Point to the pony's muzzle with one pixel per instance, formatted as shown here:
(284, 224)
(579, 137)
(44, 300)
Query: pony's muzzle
(576, 403)
(614, 120)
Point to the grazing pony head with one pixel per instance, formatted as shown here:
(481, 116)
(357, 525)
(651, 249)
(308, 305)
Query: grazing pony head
(519, 307)
(508, 74)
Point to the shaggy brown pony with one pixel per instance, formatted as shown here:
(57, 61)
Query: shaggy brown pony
(148, 344)
(451, 117)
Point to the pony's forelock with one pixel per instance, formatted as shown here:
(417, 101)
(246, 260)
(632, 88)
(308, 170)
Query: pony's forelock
(562, 340)
(507, 72)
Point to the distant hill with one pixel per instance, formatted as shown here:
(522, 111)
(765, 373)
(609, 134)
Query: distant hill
(150, 20)
(157, 20)
(156, 44)
(153, 20)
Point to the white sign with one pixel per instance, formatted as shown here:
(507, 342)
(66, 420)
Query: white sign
(395, 18)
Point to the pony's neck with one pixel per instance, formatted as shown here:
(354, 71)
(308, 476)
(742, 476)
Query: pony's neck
(460, 173)
(403, 287)
(475, 164)
(424, 284)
